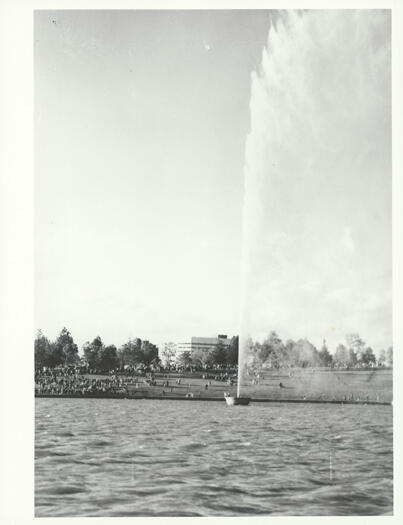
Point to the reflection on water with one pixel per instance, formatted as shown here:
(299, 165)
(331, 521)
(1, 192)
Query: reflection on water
(108, 457)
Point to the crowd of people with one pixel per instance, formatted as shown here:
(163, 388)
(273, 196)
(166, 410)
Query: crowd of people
(226, 377)
(59, 382)
(79, 380)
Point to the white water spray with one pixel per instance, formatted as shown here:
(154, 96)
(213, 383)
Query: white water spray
(316, 219)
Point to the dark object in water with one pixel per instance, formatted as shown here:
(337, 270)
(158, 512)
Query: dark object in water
(233, 400)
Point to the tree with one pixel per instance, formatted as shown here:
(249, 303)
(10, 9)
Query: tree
(356, 345)
(352, 357)
(43, 351)
(93, 351)
(131, 353)
(168, 354)
(308, 354)
(303, 353)
(389, 357)
(341, 356)
(185, 359)
(263, 352)
(219, 354)
(149, 351)
(201, 358)
(248, 361)
(233, 351)
(345, 357)
(368, 357)
(382, 358)
(324, 355)
(291, 353)
(108, 359)
(271, 351)
(66, 351)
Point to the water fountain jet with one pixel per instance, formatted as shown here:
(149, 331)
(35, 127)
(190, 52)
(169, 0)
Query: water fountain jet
(316, 237)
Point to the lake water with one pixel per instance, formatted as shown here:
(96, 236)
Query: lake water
(110, 457)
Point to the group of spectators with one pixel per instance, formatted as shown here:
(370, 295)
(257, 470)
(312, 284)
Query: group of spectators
(59, 382)
(75, 380)
(78, 380)
(223, 376)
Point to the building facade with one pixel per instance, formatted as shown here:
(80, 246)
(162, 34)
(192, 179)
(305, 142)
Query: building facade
(205, 344)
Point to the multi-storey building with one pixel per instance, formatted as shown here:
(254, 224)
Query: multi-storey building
(200, 343)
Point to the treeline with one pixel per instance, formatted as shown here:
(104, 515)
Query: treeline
(274, 353)
(96, 356)
(271, 353)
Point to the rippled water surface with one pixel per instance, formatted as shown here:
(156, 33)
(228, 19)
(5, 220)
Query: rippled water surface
(111, 457)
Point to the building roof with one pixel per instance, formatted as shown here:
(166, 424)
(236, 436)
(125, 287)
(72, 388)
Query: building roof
(209, 341)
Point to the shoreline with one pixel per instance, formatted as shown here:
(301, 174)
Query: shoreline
(183, 398)
(295, 386)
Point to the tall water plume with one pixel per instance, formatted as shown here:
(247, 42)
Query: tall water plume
(317, 205)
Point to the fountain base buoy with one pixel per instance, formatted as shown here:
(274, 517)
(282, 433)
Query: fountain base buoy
(234, 400)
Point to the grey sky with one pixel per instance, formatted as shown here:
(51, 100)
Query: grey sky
(140, 127)
(141, 121)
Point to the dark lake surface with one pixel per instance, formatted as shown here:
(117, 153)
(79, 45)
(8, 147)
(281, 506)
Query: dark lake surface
(117, 457)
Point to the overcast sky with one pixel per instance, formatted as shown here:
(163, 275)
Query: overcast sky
(141, 122)
(140, 127)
